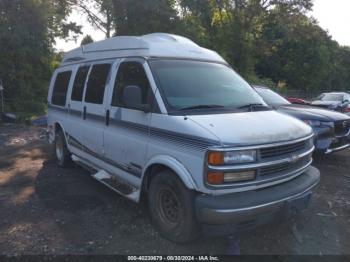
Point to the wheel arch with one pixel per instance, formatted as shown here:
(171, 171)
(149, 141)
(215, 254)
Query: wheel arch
(58, 126)
(163, 162)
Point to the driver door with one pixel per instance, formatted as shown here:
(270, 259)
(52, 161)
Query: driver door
(127, 132)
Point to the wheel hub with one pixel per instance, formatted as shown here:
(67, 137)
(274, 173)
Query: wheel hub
(169, 207)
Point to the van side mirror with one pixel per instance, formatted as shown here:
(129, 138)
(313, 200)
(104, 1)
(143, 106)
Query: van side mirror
(132, 98)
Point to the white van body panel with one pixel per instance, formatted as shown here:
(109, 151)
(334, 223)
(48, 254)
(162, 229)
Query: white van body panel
(253, 128)
(175, 166)
(188, 138)
(152, 45)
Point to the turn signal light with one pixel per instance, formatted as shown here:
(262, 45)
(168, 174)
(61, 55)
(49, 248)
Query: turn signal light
(215, 158)
(219, 178)
(215, 178)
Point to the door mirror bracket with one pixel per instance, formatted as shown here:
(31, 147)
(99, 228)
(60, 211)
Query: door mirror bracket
(145, 108)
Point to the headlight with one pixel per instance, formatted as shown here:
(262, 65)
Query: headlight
(316, 123)
(219, 178)
(231, 157)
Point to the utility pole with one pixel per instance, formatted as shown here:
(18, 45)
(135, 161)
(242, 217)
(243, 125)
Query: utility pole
(2, 97)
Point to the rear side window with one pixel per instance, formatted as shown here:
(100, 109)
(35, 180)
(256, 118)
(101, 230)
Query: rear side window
(79, 83)
(131, 73)
(97, 83)
(60, 88)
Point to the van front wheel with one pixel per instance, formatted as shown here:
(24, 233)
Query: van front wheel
(171, 207)
(63, 156)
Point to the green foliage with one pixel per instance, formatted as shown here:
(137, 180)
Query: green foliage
(87, 40)
(296, 50)
(267, 42)
(134, 17)
(27, 32)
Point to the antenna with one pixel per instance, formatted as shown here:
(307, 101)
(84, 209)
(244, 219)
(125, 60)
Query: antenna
(2, 96)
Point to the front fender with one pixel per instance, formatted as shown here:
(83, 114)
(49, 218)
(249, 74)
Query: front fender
(174, 165)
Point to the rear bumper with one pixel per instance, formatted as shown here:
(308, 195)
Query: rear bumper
(239, 211)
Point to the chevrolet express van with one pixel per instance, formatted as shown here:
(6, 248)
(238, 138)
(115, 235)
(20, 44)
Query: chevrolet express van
(161, 118)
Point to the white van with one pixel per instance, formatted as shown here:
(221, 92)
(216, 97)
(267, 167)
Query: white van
(159, 117)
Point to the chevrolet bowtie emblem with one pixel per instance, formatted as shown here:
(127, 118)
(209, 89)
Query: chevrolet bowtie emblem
(294, 159)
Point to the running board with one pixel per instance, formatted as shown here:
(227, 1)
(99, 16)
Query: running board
(109, 180)
(113, 183)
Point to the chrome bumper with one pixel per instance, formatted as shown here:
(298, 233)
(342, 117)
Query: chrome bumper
(333, 150)
(327, 143)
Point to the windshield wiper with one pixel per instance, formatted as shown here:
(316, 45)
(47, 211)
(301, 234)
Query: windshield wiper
(201, 107)
(252, 106)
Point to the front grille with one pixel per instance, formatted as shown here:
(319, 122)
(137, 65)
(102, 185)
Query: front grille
(280, 151)
(341, 128)
(285, 167)
(275, 162)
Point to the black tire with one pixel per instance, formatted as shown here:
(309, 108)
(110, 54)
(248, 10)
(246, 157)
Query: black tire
(171, 207)
(63, 156)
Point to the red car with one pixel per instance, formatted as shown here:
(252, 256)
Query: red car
(299, 101)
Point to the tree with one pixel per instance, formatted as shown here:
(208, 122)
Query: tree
(270, 39)
(87, 40)
(27, 32)
(98, 12)
(233, 27)
(134, 17)
(294, 49)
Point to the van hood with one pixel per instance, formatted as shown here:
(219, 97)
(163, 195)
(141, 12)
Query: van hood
(330, 104)
(306, 112)
(252, 128)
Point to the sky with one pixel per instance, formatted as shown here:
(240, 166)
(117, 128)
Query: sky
(333, 16)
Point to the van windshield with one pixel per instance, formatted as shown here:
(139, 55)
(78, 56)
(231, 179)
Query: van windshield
(195, 85)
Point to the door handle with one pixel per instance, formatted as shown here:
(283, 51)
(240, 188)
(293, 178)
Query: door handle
(84, 113)
(107, 117)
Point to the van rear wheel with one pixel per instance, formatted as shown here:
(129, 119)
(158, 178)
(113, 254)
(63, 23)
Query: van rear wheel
(171, 207)
(63, 156)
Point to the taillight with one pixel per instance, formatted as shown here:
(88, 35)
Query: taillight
(347, 109)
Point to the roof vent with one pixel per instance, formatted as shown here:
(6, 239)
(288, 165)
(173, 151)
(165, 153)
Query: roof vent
(170, 37)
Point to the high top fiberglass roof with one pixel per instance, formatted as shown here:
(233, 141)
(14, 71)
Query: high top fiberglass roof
(151, 45)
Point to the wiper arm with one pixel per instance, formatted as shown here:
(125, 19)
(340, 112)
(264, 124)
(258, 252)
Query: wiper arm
(201, 107)
(251, 107)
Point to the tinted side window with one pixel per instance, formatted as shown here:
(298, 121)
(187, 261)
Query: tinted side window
(97, 83)
(131, 73)
(60, 88)
(79, 83)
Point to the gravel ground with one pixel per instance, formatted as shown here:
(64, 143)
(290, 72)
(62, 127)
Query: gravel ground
(48, 210)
